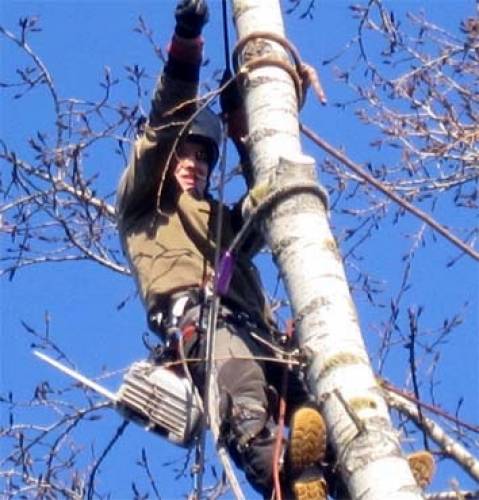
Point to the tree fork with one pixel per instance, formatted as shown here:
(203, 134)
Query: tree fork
(296, 228)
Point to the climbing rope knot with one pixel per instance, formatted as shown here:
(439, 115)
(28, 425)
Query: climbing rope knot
(249, 56)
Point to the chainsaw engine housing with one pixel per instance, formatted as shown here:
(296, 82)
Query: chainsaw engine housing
(162, 400)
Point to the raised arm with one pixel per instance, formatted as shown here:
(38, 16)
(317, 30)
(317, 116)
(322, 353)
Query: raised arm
(177, 85)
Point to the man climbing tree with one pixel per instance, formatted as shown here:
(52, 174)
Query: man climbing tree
(167, 220)
(168, 223)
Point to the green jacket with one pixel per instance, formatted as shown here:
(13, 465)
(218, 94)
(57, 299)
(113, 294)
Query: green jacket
(174, 250)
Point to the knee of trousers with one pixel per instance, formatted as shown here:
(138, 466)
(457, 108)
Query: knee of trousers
(247, 419)
(244, 403)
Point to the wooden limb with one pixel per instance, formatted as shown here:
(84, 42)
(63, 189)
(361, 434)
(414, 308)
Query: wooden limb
(449, 446)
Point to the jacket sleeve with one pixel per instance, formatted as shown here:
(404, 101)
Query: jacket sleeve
(178, 84)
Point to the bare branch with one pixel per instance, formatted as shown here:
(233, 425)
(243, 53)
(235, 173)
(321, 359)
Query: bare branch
(449, 447)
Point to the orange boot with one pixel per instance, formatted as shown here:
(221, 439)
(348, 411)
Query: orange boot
(306, 449)
(422, 466)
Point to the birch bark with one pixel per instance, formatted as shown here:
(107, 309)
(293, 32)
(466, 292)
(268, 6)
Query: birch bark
(297, 230)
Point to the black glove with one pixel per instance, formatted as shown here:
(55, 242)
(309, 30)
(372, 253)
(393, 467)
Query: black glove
(230, 97)
(191, 16)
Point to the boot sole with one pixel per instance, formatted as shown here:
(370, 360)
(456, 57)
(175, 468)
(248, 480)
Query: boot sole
(312, 489)
(422, 466)
(307, 442)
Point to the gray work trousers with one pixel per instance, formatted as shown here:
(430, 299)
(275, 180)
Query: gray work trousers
(246, 385)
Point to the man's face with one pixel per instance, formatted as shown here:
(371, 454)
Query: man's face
(191, 169)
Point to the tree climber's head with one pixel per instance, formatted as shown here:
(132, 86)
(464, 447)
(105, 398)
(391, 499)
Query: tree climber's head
(197, 153)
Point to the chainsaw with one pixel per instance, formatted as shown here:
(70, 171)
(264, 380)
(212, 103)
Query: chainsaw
(160, 399)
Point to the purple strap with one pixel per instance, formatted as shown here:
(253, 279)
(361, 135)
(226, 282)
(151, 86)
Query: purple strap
(225, 272)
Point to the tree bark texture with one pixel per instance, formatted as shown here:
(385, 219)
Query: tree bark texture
(339, 373)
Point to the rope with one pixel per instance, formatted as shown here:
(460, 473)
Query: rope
(292, 68)
(335, 153)
(272, 198)
(210, 337)
(302, 74)
(226, 36)
(227, 262)
(293, 360)
(278, 445)
(183, 362)
(210, 396)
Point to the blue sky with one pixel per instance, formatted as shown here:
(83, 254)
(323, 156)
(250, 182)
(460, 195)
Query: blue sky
(78, 40)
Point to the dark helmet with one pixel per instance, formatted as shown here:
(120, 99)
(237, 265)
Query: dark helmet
(206, 129)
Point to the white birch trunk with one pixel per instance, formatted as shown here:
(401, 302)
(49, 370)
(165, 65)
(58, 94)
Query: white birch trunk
(297, 230)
